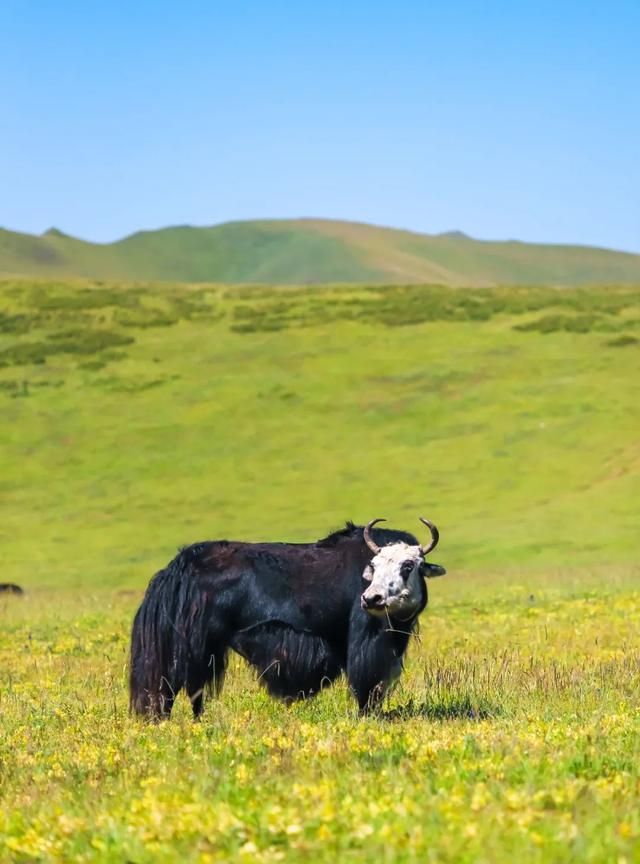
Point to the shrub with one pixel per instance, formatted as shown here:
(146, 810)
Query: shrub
(70, 342)
(623, 341)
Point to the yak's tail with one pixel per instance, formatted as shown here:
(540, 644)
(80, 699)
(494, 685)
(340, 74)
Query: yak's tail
(169, 637)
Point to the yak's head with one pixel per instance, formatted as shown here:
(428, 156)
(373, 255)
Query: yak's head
(396, 576)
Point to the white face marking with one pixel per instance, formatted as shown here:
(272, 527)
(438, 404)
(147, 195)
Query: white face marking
(396, 586)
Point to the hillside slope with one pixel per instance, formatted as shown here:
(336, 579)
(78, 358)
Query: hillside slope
(138, 418)
(310, 251)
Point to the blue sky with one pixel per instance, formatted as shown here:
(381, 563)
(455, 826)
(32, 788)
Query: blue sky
(504, 120)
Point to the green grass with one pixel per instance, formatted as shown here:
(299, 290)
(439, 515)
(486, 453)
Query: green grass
(281, 413)
(141, 417)
(310, 251)
(514, 732)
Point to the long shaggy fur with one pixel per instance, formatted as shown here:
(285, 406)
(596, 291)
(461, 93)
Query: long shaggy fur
(290, 664)
(291, 610)
(170, 639)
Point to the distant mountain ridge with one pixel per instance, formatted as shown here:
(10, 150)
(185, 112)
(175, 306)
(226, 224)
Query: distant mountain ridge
(298, 251)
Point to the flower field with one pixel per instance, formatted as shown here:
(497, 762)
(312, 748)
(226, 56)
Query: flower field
(514, 732)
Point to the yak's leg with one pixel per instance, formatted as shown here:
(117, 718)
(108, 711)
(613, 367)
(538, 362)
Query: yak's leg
(166, 696)
(368, 691)
(196, 684)
(373, 662)
(370, 701)
(209, 672)
(160, 699)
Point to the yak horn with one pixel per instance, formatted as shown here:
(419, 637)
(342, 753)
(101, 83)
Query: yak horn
(367, 537)
(435, 536)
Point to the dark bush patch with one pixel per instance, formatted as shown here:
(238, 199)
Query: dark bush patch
(403, 305)
(111, 355)
(192, 307)
(91, 341)
(260, 326)
(93, 365)
(569, 323)
(59, 382)
(16, 324)
(50, 297)
(102, 360)
(143, 318)
(134, 385)
(79, 342)
(393, 306)
(26, 354)
(623, 341)
(15, 388)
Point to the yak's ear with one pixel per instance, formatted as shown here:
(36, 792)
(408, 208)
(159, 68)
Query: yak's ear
(367, 573)
(432, 570)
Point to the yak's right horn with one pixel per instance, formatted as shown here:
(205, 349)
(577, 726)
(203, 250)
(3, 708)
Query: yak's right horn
(367, 536)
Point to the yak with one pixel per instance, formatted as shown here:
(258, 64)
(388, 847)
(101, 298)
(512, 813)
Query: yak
(300, 614)
(10, 588)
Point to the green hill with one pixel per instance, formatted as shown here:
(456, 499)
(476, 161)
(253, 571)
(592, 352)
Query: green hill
(141, 417)
(310, 251)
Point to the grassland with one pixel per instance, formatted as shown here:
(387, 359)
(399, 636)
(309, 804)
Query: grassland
(140, 417)
(310, 251)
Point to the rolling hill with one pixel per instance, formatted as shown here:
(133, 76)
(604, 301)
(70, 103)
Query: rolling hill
(310, 251)
(140, 417)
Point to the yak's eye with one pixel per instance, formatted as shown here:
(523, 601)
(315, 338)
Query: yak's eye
(407, 569)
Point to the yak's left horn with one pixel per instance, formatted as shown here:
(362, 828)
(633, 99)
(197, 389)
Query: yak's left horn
(367, 537)
(435, 536)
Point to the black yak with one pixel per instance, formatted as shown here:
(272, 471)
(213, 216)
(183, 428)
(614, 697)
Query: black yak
(10, 588)
(300, 614)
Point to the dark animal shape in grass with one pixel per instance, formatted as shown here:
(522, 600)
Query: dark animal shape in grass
(300, 614)
(10, 588)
